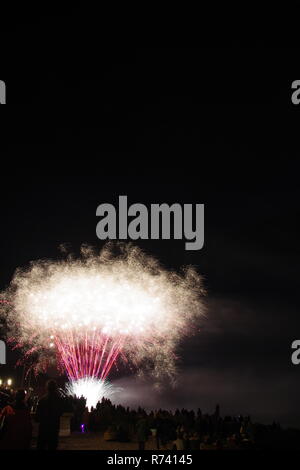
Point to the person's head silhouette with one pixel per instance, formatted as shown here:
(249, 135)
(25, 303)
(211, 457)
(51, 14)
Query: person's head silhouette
(51, 387)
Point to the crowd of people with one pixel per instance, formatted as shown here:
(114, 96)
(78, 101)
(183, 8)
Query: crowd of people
(16, 418)
(172, 430)
(179, 430)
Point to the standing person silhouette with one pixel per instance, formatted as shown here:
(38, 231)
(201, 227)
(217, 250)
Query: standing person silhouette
(142, 430)
(17, 427)
(48, 413)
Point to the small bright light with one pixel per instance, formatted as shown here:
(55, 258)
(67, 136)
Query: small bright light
(9, 382)
(1, 382)
(51, 345)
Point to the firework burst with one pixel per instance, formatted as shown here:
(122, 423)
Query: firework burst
(92, 389)
(95, 311)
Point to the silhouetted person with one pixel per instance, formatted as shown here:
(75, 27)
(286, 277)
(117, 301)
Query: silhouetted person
(159, 431)
(85, 420)
(142, 431)
(48, 413)
(17, 429)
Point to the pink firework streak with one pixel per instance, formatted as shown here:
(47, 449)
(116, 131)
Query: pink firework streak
(91, 356)
(101, 308)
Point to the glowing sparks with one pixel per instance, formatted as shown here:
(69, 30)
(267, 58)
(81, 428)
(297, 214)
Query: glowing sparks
(92, 389)
(95, 310)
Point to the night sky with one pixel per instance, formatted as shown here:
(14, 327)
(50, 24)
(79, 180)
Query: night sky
(212, 126)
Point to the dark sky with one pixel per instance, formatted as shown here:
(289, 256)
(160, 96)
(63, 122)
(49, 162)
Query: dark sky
(212, 126)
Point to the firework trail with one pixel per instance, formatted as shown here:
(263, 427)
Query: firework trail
(100, 309)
